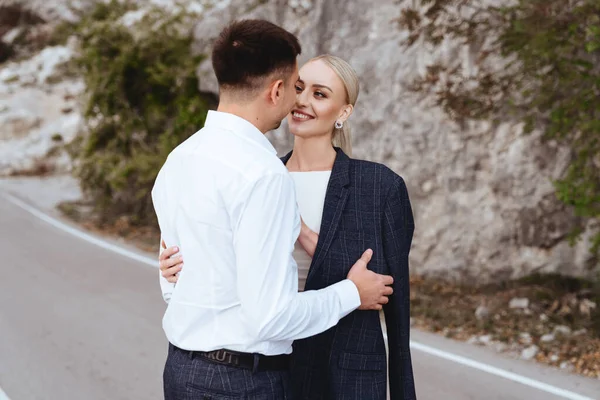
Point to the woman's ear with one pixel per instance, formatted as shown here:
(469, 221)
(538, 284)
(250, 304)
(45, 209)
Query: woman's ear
(346, 113)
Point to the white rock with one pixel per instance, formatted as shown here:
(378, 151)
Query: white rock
(17, 123)
(562, 330)
(525, 337)
(586, 306)
(482, 312)
(549, 337)
(8, 75)
(500, 347)
(543, 317)
(554, 358)
(485, 339)
(32, 116)
(49, 59)
(517, 302)
(529, 352)
(11, 35)
(473, 340)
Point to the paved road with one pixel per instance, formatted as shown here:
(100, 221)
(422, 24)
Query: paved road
(80, 322)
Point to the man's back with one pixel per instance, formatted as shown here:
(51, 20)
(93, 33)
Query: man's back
(199, 196)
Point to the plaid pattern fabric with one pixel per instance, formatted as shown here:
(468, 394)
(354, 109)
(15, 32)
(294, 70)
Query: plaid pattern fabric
(366, 206)
(194, 378)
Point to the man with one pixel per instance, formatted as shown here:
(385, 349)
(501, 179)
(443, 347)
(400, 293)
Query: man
(226, 199)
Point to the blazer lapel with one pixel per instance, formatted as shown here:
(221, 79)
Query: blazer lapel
(335, 200)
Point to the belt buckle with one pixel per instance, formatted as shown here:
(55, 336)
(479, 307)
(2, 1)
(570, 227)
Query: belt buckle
(222, 356)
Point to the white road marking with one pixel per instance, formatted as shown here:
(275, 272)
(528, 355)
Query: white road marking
(498, 372)
(82, 235)
(415, 345)
(3, 395)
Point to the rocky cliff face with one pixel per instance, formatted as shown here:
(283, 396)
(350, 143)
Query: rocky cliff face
(482, 195)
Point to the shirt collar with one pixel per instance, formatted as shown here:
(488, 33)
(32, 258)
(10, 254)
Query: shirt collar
(238, 126)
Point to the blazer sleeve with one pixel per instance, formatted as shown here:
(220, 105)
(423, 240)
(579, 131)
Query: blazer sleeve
(398, 228)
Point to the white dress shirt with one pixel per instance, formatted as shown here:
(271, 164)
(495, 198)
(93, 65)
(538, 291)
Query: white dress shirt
(229, 203)
(310, 188)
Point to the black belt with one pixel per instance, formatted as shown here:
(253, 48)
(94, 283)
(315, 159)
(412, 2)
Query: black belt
(253, 362)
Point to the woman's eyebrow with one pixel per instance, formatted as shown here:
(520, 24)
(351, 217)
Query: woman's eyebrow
(317, 85)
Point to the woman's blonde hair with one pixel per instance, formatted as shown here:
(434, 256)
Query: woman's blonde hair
(341, 137)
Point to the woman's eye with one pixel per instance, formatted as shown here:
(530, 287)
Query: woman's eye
(298, 89)
(319, 94)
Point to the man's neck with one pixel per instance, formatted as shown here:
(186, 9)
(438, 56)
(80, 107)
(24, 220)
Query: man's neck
(312, 154)
(247, 111)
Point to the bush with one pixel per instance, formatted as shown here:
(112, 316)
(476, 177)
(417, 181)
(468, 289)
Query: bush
(142, 100)
(537, 61)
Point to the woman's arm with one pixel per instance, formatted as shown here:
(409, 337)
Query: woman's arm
(308, 239)
(169, 267)
(398, 228)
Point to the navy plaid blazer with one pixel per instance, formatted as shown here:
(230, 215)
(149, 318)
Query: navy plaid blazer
(366, 206)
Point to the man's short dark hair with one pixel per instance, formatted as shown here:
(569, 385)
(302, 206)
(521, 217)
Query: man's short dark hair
(248, 51)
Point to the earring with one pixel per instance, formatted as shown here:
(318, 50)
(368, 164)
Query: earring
(338, 125)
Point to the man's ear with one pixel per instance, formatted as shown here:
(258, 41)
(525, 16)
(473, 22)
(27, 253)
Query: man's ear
(276, 91)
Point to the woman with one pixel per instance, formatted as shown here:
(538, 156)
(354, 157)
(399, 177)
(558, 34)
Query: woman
(347, 205)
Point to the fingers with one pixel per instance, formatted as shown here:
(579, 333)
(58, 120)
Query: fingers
(387, 291)
(170, 274)
(365, 258)
(387, 280)
(384, 300)
(170, 262)
(168, 253)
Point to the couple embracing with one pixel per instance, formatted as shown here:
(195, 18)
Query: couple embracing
(285, 278)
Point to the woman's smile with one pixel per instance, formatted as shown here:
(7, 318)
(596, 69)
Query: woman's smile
(299, 116)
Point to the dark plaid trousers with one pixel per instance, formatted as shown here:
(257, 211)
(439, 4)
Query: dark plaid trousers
(194, 378)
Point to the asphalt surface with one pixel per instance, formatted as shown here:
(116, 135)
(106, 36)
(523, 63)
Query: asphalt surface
(78, 321)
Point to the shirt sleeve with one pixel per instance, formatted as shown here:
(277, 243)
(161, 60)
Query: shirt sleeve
(160, 200)
(267, 226)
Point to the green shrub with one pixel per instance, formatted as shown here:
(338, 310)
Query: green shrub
(142, 100)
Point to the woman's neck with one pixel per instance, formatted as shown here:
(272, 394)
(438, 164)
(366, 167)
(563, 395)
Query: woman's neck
(313, 154)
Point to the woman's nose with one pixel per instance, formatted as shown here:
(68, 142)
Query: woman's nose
(301, 99)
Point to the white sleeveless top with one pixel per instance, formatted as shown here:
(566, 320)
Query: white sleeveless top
(310, 196)
(311, 188)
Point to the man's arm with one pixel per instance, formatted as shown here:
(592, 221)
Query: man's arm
(266, 228)
(268, 211)
(162, 192)
(398, 227)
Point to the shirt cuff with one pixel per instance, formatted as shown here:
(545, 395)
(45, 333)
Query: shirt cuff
(348, 295)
